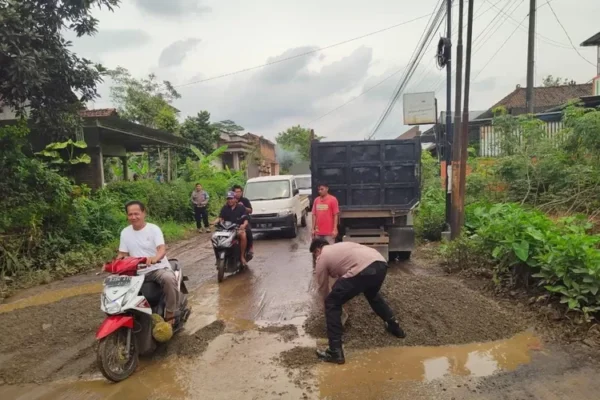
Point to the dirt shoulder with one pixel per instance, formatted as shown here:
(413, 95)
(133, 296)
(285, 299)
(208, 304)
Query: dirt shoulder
(48, 332)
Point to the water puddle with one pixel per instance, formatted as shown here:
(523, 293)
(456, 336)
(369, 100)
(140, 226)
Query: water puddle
(369, 374)
(51, 297)
(152, 380)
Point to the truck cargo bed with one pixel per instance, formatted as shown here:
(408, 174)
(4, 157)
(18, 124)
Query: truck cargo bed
(369, 175)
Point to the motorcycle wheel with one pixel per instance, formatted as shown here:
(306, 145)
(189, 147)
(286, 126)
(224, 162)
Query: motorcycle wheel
(220, 270)
(115, 361)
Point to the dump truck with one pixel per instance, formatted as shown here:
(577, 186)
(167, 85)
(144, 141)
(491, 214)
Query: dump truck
(377, 185)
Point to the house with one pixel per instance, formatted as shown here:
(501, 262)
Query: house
(544, 98)
(265, 162)
(253, 152)
(595, 41)
(107, 135)
(548, 101)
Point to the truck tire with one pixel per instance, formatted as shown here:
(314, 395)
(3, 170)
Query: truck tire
(399, 255)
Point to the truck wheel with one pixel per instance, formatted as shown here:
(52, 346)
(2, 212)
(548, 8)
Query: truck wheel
(400, 255)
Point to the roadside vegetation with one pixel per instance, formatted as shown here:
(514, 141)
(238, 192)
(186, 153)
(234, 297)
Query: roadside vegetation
(532, 213)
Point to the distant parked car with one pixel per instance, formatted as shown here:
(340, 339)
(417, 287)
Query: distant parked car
(305, 185)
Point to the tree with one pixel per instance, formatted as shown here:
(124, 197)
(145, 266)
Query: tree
(296, 139)
(550, 81)
(228, 126)
(200, 130)
(144, 101)
(40, 77)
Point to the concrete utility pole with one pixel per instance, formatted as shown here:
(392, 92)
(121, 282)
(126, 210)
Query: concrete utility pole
(464, 134)
(530, 58)
(449, 137)
(456, 148)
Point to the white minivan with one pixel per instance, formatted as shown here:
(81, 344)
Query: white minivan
(277, 205)
(305, 186)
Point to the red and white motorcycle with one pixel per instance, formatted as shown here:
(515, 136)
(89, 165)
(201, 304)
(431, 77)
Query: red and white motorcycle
(129, 302)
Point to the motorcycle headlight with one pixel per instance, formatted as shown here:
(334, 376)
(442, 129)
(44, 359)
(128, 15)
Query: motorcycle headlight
(111, 307)
(131, 293)
(285, 213)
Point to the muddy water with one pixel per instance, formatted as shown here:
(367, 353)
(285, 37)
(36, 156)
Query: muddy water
(51, 296)
(371, 374)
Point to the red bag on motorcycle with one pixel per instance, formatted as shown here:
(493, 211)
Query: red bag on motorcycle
(125, 266)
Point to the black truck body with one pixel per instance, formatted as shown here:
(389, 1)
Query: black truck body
(377, 184)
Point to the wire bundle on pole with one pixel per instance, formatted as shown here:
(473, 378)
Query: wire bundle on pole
(426, 38)
(443, 54)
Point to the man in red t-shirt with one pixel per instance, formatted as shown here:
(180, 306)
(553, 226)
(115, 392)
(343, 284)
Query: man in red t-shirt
(326, 213)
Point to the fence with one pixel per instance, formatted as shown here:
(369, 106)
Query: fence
(490, 142)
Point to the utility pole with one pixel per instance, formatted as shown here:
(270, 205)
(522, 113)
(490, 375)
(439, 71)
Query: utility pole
(464, 134)
(457, 147)
(449, 138)
(530, 58)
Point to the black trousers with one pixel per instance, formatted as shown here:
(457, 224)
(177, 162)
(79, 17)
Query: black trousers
(368, 282)
(201, 215)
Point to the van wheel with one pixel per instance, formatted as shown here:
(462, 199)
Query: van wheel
(292, 233)
(303, 220)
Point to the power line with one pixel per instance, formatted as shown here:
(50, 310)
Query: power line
(359, 95)
(478, 40)
(301, 54)
(568, 36)
(437, 21)
(539, 35)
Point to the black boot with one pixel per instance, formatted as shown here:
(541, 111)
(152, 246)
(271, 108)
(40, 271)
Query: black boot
(393, 327)
(332, 355)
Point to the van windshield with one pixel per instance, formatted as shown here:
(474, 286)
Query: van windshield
(303, 182)
(267, 190)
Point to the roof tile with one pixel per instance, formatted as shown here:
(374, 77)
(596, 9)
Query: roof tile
(101, 112)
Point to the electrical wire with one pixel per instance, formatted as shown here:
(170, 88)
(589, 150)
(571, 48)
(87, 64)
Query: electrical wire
(418, 55)
(568, 36)
(543, 38)
(438, 85)
(301, 54)
(357, 96)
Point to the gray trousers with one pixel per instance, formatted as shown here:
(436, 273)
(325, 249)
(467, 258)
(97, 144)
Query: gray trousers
(165, 277)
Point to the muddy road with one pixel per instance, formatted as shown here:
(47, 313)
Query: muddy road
(247, 339)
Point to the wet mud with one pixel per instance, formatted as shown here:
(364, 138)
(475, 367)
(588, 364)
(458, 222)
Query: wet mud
(298, 357)
(286, 332)
(432, 310)
(49, 342)
(191, 345)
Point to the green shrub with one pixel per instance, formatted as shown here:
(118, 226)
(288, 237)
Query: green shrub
(560, 256)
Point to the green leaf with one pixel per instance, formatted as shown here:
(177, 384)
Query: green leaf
(573, 304)
(80, 144)
(496, 252)
(521, 250)
(57, 146)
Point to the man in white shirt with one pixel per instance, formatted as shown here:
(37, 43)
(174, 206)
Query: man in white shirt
(143, 239)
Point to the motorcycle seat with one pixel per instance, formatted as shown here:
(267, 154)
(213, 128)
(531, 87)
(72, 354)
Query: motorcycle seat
(152, 292)
(174, 264)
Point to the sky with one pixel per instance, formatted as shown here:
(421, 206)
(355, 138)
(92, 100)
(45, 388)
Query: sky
(184, 41)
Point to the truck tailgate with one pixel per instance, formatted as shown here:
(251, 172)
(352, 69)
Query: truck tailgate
(369, 175)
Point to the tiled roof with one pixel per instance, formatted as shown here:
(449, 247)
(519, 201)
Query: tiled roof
(409, 134)
(544, 98)
(101, 112)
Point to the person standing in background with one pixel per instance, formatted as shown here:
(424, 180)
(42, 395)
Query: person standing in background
(325, 216)
(326, 213)
(200, 201)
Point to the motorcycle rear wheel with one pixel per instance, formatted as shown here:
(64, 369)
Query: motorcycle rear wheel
(109, 348)
(220, 270)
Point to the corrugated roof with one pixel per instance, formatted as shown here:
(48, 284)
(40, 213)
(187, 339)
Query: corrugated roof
(101, 112)
(409, 134)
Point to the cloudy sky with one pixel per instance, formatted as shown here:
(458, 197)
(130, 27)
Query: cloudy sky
(185, 41)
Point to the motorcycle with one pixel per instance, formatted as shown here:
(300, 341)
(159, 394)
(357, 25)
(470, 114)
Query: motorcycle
(129, 302)
(227, 249)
